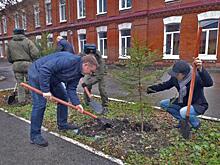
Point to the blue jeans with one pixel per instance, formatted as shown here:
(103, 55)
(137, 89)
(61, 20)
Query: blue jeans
(39, 106)
(179, 112)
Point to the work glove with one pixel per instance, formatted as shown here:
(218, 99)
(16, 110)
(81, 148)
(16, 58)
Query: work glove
(84, 85)
(47, 95)
(80, 108)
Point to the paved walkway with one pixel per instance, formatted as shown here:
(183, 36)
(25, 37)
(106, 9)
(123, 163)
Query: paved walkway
(15, 148)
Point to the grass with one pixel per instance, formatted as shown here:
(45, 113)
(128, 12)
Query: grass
(203, 148)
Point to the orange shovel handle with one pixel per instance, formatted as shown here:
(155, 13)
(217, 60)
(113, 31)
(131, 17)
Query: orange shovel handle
(192, 84)
(57, 100)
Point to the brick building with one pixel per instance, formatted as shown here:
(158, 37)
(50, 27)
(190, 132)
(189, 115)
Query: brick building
(168, 26)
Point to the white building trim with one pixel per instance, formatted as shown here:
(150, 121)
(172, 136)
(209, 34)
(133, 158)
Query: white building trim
(173, 19)
(101, 29)
(209, 15)
(124, 26)
(81, 31)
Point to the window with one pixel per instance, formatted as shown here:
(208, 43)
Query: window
(4, 21)
(82, 42)
(81, 39)
(81, 8)
(37, 15)
(1, 49)
(209, 39)
(38, 40)
(24, 21)
(172, 37)
(101, 6)
(124, 39)
(64, 34)
(0, 28)
(125, 4)
(16, 20)
(102, 43)
(48, 11)
(62, 10)
(50, 40)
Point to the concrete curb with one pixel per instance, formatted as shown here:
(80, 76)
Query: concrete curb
(156, 107)
(90, 149)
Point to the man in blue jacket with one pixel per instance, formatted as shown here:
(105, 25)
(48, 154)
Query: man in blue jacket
(46, 74)
(181, 74)
(64, 45)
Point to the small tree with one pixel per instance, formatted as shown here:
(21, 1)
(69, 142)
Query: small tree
(141, 57)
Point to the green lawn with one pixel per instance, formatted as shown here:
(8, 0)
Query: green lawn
(162, 145)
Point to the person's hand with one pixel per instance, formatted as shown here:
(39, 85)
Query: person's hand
(47, 95)
(80, 108)
(198, 63)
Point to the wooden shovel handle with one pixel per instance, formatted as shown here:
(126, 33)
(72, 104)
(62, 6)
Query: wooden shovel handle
(87, 92)
(57, 100)
(192, 84)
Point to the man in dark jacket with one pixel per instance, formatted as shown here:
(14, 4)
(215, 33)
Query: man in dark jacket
(21, 52)
(181, 74)
(64, 45)
(46, 74)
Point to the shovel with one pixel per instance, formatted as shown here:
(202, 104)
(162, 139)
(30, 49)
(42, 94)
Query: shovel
(96, 107)
(106, 123)
(185, 126)
(11, 98)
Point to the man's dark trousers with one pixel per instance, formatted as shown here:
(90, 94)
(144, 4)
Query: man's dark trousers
(39, 106)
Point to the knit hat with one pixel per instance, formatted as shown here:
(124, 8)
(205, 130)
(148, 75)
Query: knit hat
(180, 66)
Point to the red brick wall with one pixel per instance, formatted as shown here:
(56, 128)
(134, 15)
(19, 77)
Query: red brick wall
(113, 42)
(155, 35)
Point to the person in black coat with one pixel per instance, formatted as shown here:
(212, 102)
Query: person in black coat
(181, 74)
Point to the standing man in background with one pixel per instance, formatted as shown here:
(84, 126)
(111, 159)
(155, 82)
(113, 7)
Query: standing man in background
(21, 52)
(97, 77)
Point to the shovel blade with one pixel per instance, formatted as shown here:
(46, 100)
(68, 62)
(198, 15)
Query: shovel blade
(106, 123)
(11, 99)
(185, 129)
(96, 107)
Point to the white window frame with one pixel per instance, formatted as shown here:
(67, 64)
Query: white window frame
(24, 21)
(1, 49)
(48, 12)
(99, 30)
(169, 0)
(167, 21)
(64, 34)
(98, 5)
(49, 44)
(123, 26)
(79, 16)
(61, 7)
(4, 22)
(126, 7)
(207, 56)
(207, 16)
(16, 19)
(37, 16)
(80, 32)
(38, 40)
